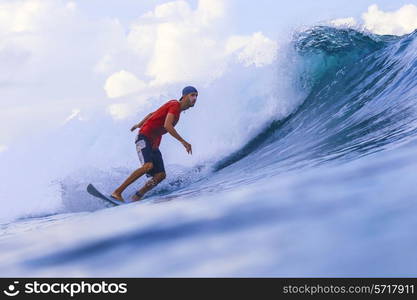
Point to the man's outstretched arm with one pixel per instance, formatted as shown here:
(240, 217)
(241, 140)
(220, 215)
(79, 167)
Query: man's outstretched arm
(169, 121)
(141, 122)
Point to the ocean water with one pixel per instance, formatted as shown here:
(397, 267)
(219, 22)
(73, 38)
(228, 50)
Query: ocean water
(328, 189)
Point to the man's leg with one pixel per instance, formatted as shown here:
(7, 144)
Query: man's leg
(132, 178)
(156, 179)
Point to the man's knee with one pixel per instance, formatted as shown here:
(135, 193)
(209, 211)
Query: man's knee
(147, 166)
(160, 176)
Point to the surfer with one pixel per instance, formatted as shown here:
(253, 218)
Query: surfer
(151, 129)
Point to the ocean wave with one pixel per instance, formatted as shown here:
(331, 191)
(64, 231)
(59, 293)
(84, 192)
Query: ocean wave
(361, 97)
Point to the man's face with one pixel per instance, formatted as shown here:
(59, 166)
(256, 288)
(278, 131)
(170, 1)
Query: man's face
(192, 99)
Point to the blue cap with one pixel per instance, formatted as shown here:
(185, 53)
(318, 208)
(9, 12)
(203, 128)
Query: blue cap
(189, 89)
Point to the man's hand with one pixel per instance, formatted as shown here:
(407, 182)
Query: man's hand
(169, 126)
(187, 147)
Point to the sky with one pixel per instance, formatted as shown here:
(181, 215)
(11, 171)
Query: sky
(268, 16)
(116, 60)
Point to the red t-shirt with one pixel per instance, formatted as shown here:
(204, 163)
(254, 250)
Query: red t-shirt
(153, 128)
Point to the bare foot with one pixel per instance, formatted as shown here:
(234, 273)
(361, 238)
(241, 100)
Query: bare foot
(117, 196)
(136, 196)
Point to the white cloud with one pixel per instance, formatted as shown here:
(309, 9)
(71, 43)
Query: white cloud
(182, 54)
(171, 11)
(180, 44)
(399, 22)
(255, 50)
(350, 22)
(21, 25)
(20, 16)
(120, 111)
(3, 148)
(141, 39)
(29, 16)
(123, 83)
(209, 10)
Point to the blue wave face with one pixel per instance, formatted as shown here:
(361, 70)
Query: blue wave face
(362, 99)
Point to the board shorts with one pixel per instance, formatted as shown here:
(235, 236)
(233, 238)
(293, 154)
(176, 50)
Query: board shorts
(147, 154)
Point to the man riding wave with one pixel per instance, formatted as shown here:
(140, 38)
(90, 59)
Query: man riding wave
(151, 129)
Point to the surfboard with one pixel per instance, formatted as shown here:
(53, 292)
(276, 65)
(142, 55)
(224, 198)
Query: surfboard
(96, 193)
